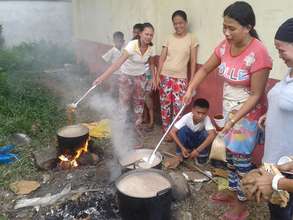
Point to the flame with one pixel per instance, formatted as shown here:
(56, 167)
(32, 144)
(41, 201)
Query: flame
(72, 162)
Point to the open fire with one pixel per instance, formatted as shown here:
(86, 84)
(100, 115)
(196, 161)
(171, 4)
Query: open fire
(72, 144)
(68, 161)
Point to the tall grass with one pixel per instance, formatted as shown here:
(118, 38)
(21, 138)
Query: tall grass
(25, 105)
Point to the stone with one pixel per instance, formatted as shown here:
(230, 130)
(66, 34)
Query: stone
(186, 215)
(46, 178)
(182, 215)
(24, 187)
(46, 159)
(88, 159)
(180, 187)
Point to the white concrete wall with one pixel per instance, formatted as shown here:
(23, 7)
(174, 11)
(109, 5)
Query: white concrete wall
(96, 20)
(92, 20)
(36, 20)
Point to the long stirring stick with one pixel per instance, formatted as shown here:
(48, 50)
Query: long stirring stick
(152, 156)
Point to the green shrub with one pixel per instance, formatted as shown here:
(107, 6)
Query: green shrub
(25, 105)
(35, 56)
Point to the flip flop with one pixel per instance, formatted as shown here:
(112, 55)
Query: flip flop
(168, 139)
(6, 149)
(221, 198)
(229, 216)
(7, 158)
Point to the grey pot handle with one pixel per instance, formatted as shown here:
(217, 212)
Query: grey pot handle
(162, 192)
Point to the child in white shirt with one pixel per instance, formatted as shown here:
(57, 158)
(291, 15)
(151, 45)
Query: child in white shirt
(111, 56)
(194, 133)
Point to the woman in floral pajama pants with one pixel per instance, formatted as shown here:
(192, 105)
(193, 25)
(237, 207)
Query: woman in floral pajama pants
(171, 92)
(179, 49)
(132, 62)
(131, 92)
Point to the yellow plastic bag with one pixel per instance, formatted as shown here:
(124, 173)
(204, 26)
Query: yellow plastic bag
(222, 183)
(99, 129)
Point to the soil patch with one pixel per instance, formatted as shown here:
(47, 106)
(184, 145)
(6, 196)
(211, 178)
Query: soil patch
(102, 204)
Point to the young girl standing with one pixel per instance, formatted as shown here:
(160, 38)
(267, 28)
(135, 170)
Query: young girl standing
(111, 56)
(179, 49)
(132, 80)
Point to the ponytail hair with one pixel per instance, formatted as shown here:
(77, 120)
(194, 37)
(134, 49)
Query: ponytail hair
(139, 27)
(136, 37)
(253, 33)
(143, 26)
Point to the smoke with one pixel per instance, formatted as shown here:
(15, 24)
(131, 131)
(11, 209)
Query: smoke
(122, 132)
(27, 21)
(52, 22)
(73, 81)
(96, 106)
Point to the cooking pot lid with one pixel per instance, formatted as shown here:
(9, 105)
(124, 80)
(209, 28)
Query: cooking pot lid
(73, 131)
(145, 184)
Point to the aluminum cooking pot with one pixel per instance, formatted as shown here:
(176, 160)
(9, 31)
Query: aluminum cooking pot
(137, 159)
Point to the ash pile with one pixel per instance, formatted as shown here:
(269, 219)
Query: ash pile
(99, 205)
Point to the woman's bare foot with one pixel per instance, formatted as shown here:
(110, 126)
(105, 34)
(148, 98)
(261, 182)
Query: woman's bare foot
(150, 125)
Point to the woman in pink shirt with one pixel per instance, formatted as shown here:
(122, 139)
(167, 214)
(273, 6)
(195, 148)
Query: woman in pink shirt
(244, 63)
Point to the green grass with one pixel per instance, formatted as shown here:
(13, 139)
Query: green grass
(26, 106)
(2, 217)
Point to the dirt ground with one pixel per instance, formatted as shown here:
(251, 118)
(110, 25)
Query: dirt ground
(97, 177)
(198, 203)
(102, 204)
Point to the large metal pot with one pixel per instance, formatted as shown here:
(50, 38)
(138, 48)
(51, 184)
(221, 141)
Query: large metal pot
(136, 159)
(71, 138)
(144, 194)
